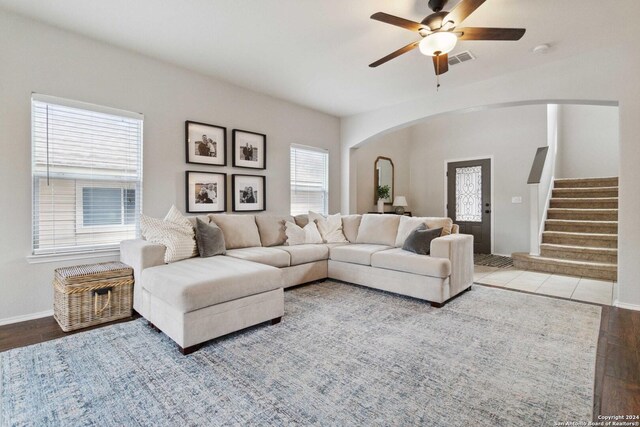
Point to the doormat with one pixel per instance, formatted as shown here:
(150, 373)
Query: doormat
(489, 260)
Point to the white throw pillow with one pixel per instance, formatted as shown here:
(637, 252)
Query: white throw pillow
(299, 236)
(330, 228)
(174, 232)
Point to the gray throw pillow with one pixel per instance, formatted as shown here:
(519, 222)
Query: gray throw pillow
(419, 240)
(210, 239)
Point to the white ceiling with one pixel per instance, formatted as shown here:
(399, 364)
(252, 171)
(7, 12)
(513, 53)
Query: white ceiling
(316, 52)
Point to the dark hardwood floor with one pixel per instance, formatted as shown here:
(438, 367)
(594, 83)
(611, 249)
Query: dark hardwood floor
(617, 381)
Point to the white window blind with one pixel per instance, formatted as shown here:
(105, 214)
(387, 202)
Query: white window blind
(87, 175)
(309, 180)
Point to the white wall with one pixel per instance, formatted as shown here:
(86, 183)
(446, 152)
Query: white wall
(509, 135)
(576, 79)
(39, 58)
(587, 141)
(395, 146)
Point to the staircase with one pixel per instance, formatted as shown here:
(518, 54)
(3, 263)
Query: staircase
(580, 235)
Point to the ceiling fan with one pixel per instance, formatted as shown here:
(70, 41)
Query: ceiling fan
(439, 32)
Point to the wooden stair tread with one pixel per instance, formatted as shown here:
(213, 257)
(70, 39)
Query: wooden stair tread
(581, 221)
(579, 210)
(566, 262)
(579, 248)
(585, 235)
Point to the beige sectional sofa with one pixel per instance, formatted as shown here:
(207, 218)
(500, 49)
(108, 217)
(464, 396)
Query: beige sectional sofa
(198, 299)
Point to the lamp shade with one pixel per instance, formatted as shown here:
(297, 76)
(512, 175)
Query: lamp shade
(441, 42)
(400, 201)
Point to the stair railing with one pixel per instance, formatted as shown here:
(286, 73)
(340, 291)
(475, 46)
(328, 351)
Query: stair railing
(540, 188)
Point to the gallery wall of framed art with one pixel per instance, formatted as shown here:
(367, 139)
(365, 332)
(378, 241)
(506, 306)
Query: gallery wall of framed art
(206, 191)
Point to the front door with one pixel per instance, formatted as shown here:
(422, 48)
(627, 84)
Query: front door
(469, 200)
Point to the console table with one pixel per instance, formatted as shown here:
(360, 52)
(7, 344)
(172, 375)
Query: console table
(406, 213)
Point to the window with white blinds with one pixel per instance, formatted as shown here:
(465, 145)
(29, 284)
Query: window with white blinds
(87, 175)
(309, 180)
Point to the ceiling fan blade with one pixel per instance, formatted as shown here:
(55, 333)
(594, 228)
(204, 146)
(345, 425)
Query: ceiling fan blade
(476, 33)
(397, 21)
(441, 63)
(462, 10)
(392, 55)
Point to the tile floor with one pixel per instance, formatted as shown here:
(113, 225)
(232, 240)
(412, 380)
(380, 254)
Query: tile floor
(576, 288)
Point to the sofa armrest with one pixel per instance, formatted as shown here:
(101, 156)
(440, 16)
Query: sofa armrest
(458, 248)
(140, 254)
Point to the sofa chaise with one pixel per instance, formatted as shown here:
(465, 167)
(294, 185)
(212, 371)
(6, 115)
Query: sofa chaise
(198, 299)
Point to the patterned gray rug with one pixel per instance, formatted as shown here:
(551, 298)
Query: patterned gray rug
(343, 355)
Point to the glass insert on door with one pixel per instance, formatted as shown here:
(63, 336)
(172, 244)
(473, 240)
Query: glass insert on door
(469, 194)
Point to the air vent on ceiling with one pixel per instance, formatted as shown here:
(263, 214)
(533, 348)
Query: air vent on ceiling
(461, 57)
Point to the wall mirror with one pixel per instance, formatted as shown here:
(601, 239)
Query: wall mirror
(383, 175)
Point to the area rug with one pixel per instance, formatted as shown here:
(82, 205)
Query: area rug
(489, 260)
(343, 355)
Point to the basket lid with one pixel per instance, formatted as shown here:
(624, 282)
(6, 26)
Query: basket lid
(103, 269)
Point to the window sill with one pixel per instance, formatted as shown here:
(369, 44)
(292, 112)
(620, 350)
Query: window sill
(45, 258)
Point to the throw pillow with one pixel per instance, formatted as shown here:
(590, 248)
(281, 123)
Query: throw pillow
(172, 232)
(419, 240)
(299, 236)
(210, 239)
(330, 228)
(438, 222)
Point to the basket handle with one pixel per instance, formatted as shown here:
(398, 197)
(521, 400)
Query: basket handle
(95, 300)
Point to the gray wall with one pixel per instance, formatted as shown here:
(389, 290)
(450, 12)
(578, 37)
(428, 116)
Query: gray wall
(395, 146)
(510, 135)
(39, 58)
(587, 141)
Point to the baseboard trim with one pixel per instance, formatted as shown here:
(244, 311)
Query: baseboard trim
(619, 304)
(25, 317)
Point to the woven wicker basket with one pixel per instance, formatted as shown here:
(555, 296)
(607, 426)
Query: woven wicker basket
(87, 295)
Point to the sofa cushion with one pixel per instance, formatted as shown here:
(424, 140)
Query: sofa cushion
(193, 219)
(330, 227)
(408, 224)
(240, 231)
(401, 260)
(302, 254)
(419, 240)
(350, 225)
(355, 254)
(209, 238)
(405, 227)
(202, 282)
(271, 228)
(378, 229)
(268, 256)
(439, 222)
(301, 235)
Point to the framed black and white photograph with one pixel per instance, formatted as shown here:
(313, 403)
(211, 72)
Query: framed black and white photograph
(206, 144)
(249, 149)
(248, 193)
(206, 192)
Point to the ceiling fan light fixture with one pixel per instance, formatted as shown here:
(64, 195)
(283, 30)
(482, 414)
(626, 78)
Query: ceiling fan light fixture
(441, 42)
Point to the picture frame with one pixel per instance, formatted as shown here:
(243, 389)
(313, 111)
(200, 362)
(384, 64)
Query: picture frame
(206, 192)
(249, 149)
(206, 144)
(248, 193)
